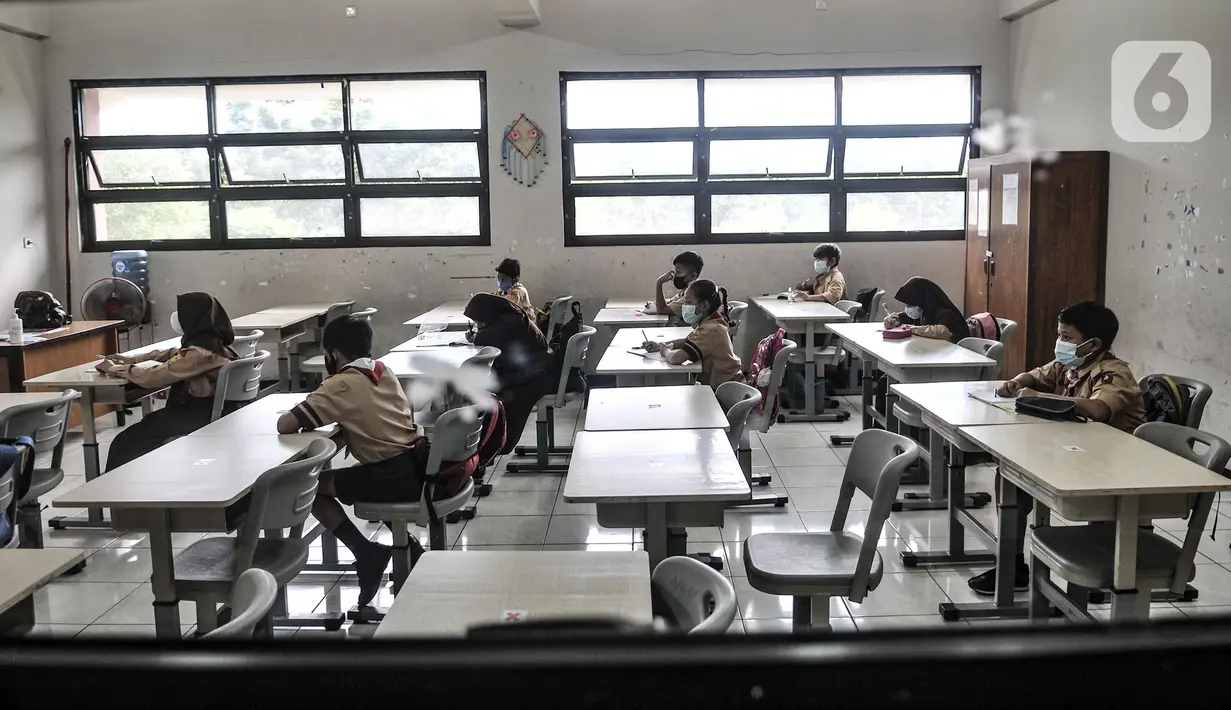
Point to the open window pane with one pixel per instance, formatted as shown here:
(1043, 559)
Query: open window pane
(419, 216)
(144, 111)
(436, 104)
(629, 160)
(808, 156)
(152, 167)
(769, 214)
(285, 219)
(414, 161)
(658, 214)
(151, 221)
(278, 108)
(772, 101)
(905, 211)
(632, 103)
(904, 156)
(285, 163)
(906, 99)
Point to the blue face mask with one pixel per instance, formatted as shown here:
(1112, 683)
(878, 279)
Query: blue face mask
(691, 316)
(504, 286)
(821, 267)
(1066, 353)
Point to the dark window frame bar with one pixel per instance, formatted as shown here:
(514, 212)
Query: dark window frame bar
(221, 189)
(836, 182)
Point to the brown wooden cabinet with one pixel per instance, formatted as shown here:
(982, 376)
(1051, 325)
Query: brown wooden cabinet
(1028, 266)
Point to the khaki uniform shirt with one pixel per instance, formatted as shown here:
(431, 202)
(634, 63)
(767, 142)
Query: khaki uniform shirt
(1108, 379)
(196, 367)
(832, 286)
(367, 401)
(520, 296)
(709, 343)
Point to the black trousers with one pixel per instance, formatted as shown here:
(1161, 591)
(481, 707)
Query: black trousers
(519, 401)
(160, 427)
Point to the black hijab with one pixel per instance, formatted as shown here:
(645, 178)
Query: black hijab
(205, 323)
(524, 352)
(937, 308)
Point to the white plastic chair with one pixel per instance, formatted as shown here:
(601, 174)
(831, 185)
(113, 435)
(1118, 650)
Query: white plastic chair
(735, 314)
(8, 491)
(245, 345)
(251, 603)
(699, 599)
(1199, 394)
(764, 420)
(45, 423)
(239, 382)
(738, 400)
(1007, 328)
(545, 418)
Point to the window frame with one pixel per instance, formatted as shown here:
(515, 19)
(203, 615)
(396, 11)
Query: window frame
(835, 182)
(220, 190)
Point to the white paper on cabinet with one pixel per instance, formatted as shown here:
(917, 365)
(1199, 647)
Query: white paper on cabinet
(1009, 200)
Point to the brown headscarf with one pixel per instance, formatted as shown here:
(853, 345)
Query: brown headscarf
(205, 323)
(937, 308)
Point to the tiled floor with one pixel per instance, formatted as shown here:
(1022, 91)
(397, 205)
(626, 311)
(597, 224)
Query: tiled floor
(527, 512)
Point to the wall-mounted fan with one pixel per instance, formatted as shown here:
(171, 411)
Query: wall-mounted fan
(114, 298)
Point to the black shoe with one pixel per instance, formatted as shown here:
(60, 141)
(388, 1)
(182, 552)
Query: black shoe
(370, 564)
(985, 583)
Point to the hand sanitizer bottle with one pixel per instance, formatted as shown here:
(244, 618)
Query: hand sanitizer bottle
(16, 336)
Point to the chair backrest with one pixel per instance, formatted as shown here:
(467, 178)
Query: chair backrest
(1199, 395)
(252, 598)
(456, 437)
(8, 488)
(701, 599)
(1007, 327)
(875, 307)
(561, 312)
(1216, 452)
(735, 314)
(992, 349)
(282, 498)
(44, 422)
(245, 345)
(365, 315)
(338, 310)
(776, 375)
(737, 400)
(238, 381)
(875, 467)
(850, 308)
(484, 358)
(574, 357)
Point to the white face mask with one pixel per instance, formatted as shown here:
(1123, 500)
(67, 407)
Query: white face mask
(821, 267)
(175, 322)
(915, 312)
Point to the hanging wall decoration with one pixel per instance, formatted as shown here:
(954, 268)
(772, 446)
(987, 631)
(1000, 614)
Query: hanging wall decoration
(522, 154)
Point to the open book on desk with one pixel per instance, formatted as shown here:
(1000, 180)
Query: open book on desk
(1009, 404)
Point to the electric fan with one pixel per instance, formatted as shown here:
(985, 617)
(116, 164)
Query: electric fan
(114, 298)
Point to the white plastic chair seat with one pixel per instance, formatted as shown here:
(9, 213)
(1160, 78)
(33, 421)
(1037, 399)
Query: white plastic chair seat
(208, 565)
(827, 352)
(45, 481)
(313, 364)
(908, 414)
(1085, 555)
(415, 512)
(253, 598)
(806, 564)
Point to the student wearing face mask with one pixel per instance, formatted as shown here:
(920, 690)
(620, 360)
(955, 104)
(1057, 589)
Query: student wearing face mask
(1086, 373)
(705, 309)
(509, 285)
(827, 284)
(685, 269)
(928, 312)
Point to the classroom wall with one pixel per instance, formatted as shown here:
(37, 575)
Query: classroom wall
(241, 37)
(23, 174)
(1170, 203)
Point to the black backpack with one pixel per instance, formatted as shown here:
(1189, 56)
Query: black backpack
(1166, 400)
(39, 310)
(865, 297)
(558, 340)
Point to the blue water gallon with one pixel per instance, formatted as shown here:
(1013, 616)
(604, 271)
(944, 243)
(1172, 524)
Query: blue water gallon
(134, 265)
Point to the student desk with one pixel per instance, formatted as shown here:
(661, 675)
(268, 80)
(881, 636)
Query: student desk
(78, 342)
(283, 326)
(198, 483)
(448, 593)
(805, 318)
(624, 303)
(631, 368)
(1086, 473)
(24, 572)
(656, 480)
(448, 314)
(654, 408)
(429, 341)
(624, 317)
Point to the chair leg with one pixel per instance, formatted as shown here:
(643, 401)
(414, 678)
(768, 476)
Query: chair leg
(810, 613)
(207, 615)
(1039, 576)
(437, 535)
(401, 552)
(30, 522)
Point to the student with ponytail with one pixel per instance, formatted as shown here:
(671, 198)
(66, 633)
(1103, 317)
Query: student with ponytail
(705, 309)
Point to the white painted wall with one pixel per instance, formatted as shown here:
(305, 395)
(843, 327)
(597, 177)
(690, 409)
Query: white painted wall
(30, 18)
(240, 37)
(1174, 318)
(23, 174)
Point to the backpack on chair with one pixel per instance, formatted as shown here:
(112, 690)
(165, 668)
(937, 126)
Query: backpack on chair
(984, 325)
(760, 370)
(865, 297)
(558, 341)
(1165, 400)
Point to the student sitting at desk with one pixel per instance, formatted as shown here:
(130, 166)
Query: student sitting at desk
(684, 270)
(509, 285)
(1087, 373)
(828, 284)
(928, 312)
(525, 369)
(191, 371)
(705, 309)
(366, 400)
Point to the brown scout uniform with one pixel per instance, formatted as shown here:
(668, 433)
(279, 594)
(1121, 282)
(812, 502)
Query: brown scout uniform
(1107, 379)
(709, 343)
(521, 297)
(832, 286)
(197, 368)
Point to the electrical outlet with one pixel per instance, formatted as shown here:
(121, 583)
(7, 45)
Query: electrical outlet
(27, 243)
(822, 4)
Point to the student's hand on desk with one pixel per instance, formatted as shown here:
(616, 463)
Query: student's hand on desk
(1028, 392)
(1009, 389)
(106, 366)
(650, 346)
(892, 322)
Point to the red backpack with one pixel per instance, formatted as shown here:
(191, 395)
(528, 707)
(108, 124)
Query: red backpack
(761, 367)
(984, 325)
(491, 442)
